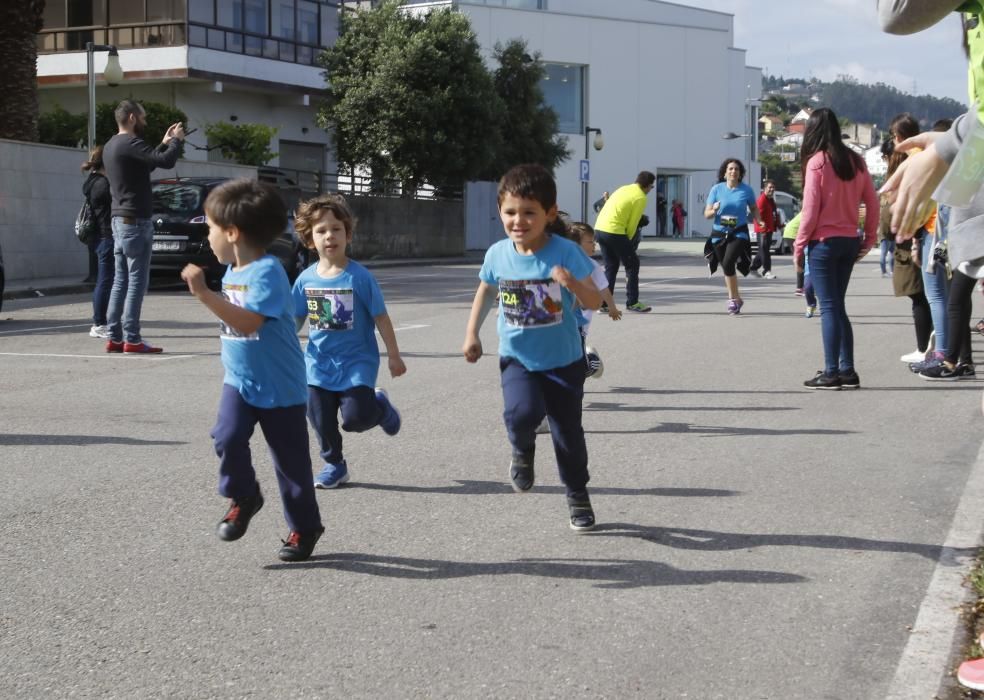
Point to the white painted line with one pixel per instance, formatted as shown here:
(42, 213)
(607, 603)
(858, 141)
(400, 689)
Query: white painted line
(924, 660)
(104, 356)
(410, 328)
(45, 328)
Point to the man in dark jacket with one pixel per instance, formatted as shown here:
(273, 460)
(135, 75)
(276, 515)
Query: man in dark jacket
(129, 160)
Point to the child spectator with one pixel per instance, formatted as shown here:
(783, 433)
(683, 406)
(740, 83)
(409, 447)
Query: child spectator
(583, 234)
(539, 278)
(264, 366)
(343, 306)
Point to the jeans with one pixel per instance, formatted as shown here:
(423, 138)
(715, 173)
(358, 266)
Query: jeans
(105, 264)
(617, 249)
(557, 393)
(360, 412)
(763, 258)
(831, 263)
(935, 286)
(287, 437)
(132, 246)
(887, 247)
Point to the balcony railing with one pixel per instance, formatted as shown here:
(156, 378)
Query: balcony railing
(125, 36)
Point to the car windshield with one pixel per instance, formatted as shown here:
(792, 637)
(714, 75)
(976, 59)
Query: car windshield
(178, 199)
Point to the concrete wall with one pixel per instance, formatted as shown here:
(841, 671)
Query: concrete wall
(407, 228)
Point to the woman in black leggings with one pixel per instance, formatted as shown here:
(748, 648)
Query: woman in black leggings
(957, 363)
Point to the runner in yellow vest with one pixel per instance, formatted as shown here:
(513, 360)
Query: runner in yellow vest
(615, 228)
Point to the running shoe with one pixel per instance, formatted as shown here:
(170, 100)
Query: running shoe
(595, 366)
(732, 306)
(810, 310)
(521, 473)
(914, 356)
(849, 380)
(298, 545)
(99, 332)
(769, 275)
(940, 373)
(332, 476)
(823, 381)
(638, 307)
(582, 514)
(971, 674)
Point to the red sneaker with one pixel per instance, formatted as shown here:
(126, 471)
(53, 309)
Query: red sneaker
(140, 347)
(971, 674)
(113, 346)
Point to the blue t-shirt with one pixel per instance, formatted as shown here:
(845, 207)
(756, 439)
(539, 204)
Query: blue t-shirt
(537, 318)
(734, 203)
(266, 367)
(342, 351)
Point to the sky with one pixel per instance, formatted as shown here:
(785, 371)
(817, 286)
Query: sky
(825, 38)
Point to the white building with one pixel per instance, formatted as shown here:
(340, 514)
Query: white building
(246, 61)
(664, 82)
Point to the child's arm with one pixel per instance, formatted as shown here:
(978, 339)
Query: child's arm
(242, 320)
(386, 332)
(613, 311)
(481, 306)
(584, 290)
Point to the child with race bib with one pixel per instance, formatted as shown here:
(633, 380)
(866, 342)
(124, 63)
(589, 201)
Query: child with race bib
(539, 277)
(343, 305)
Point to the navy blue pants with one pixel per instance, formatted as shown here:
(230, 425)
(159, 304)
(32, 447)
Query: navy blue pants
(556, 393)
(287, 437)
(360, 412)
(619, 250)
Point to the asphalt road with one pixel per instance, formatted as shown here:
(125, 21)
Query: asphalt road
(757, 540)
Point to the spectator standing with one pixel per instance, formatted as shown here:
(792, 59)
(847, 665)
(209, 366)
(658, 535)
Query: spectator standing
(129, 160)
(765, 227)
(679, 215)
(96, 191)
(616, 227)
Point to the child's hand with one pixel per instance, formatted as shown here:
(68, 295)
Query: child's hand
(396, 366)
(614, 313)
(561, 275)
(195, 277)
(472, 348)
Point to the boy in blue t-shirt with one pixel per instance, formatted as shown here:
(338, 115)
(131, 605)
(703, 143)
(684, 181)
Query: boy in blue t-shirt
(264, 366)
(539, 278)
(343, 306)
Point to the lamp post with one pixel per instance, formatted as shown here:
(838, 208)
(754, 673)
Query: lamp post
(112, 74)
(599, 143)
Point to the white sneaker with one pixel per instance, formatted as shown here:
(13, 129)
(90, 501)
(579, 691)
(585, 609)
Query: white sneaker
(769, 276)
(99, 332)
(914, 356)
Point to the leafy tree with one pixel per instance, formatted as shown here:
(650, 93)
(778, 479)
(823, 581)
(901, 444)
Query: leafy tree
(61, 128)
(21, 21)
(246, 144)
(528, 127)
(409, 96)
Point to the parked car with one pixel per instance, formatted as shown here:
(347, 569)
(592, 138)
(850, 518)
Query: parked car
(181, 233)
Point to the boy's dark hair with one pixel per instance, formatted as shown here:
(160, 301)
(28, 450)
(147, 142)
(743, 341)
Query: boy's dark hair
(766, 183)
(124, 109)
(310, 211)
(942, 124)
(529, 181)
(645, 179)
(252, 207)
(724, 168)
(581, 230)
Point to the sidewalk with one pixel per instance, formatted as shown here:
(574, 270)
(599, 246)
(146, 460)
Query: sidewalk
(54, 286)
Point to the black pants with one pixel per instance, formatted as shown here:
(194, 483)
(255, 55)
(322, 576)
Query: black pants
(958, 309)
(923, 319)
(360, 412)
(617, 249)
(763, 258)
(558, 394)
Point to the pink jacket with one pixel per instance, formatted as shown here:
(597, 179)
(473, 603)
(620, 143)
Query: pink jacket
(830, 205)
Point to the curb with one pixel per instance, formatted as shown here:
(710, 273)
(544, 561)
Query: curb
(34, 293)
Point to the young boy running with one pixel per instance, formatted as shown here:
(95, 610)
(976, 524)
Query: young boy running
(264, 366)
(343, 306)
(539, 277)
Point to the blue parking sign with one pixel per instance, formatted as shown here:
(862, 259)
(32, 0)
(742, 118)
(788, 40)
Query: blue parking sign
(585, 171)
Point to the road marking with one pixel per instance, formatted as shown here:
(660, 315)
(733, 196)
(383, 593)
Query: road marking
(924, 660)
(45, 328)
(105, 355)
(410, 328)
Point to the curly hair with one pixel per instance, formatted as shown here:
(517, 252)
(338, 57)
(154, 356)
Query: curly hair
(310, 211)
(724, 168)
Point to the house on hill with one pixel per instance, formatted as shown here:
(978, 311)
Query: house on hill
(770, 123)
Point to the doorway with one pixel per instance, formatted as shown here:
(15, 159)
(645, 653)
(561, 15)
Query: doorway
(671, 188)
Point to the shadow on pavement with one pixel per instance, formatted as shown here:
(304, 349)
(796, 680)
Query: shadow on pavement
(711, 541)
(489, 488)
(721, 430)
(29, 439)
(601, 406)
(606, 573)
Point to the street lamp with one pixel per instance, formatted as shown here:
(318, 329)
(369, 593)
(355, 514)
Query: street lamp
(599, 143)
(112, 74)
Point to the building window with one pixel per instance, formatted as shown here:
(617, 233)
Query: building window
(230, 13)
(203, 12)
(167, 10)
(125, 12)
(255, 13)
(563, 90)
(282, 19)
(307, 22)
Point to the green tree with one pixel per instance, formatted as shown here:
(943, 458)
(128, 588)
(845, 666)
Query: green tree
(59, 127)
(528, 127)
(21, 21)
(409, 96)
(246, 144)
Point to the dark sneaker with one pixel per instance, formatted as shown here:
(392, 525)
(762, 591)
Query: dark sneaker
(236, 521)
(638, 307)
(822, 381)
(850, 380)
(332, 476)
(965, 371)
(917, 367)
(521, 471)
(298, 546)
(603, 308)
(940, 373)
(582, 515)
(391, 421)
(114, 346)
(595, 366)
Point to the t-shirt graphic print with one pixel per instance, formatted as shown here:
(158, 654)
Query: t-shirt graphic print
(235, 294)
(531, 303)
(330, 309)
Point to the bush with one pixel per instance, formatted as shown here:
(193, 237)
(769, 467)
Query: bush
(246, 144)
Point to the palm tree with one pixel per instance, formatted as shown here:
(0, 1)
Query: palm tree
(21, 21)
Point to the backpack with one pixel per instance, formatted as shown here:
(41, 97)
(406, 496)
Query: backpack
(86, 228)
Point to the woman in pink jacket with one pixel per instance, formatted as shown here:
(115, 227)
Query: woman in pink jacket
(835, 182)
